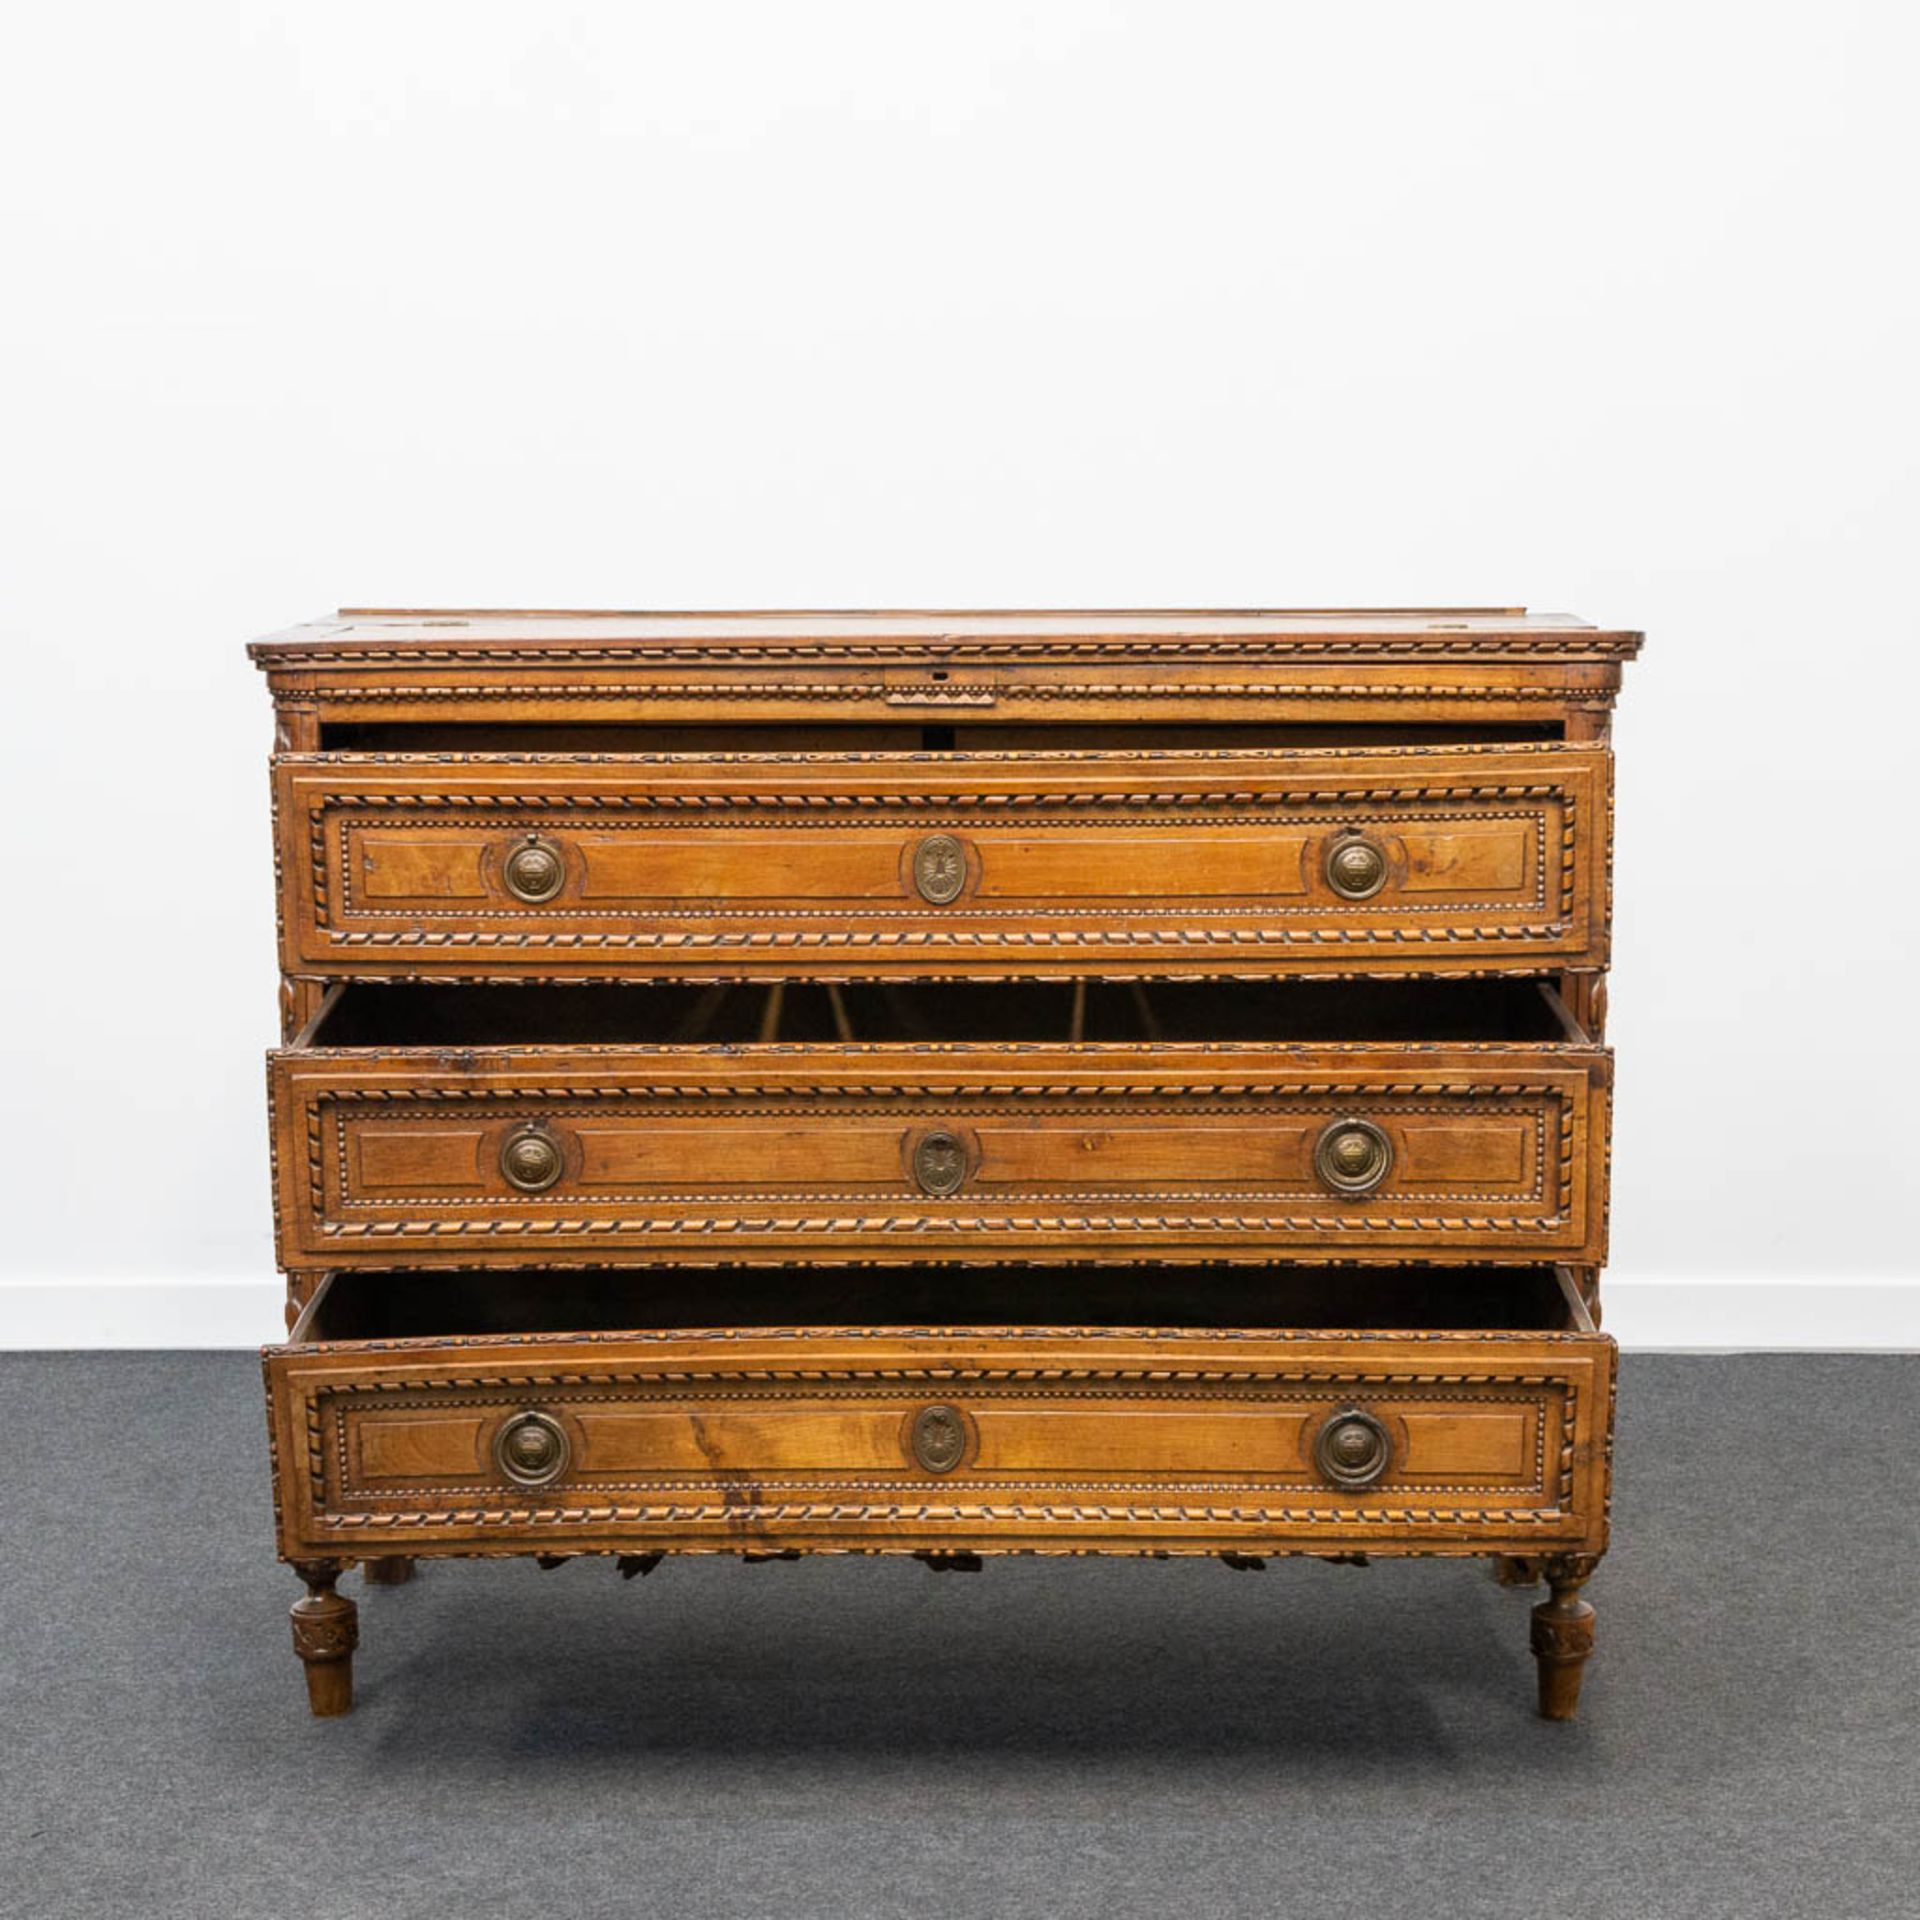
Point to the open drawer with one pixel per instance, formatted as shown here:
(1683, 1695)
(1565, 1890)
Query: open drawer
(859, 865)
(1326, 1411)
(443, 1125)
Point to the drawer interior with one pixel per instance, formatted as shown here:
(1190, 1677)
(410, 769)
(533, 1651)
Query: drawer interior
(1305, 1011)
(378, 1305)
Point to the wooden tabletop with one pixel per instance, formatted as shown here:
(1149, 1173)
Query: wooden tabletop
(356, 636)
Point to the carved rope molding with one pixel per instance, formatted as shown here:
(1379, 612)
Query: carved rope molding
(590, 1226)
(993, 942)
(723, 969)
(640, 799)
(830, 692)
(934, 650)
(1160, 1546)
(733, 1515)
(986, 1097)
(273, 1441)
(1162, 1379)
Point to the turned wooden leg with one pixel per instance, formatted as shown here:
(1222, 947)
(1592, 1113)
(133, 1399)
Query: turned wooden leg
(1563, 1635)
(326, 1629)
(390, 1570)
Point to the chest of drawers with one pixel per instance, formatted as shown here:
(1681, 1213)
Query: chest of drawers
(942, 1084)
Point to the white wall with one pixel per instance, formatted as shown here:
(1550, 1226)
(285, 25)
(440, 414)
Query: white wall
(1611, 309)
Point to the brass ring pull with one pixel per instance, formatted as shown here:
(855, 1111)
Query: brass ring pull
(1352, 1449)
(940, 869)
(939, 1163)
(530, 1158)
(1352, 1156)
(531, 1449)
(534, 871)
(1356, 865)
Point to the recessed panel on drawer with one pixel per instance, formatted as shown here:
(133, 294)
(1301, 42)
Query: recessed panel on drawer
(992, 1437)
(1379, 860)
(898, 1153)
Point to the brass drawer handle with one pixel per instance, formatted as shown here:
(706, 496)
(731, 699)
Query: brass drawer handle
(534, 871)
(1356, 865)
(939, 1438)
(531, 1448)
(1352, 1449)
(530, 1158)
(940, 869)
(939, 1163)
(1352, 1156)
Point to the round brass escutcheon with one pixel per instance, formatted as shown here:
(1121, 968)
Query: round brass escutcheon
(1352, 1156)
(531, 1448)
(1352, 1449)
(1356, 866)
(939, 1438)
(534, 870)
(940, 868)
(939, 1163)
(530, 1158)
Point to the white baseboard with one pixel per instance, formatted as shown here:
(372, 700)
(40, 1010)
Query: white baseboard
(158, 1312)
(1731, 1314)
(1717, 1314)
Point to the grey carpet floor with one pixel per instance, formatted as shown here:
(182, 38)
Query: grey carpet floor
(1057, 1738)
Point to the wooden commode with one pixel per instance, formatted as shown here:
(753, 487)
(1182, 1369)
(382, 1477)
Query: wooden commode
(944, 1084)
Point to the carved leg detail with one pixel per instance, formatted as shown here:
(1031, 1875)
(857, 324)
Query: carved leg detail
(391, 1570)
(326, 1629)
(1563, 1635)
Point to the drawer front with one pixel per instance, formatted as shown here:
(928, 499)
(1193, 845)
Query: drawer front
(1382, 861)
(987, 1439)
(897, 1153)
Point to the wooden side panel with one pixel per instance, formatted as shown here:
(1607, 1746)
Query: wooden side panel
(1199, 1442)
(776, 1154)
(739, 867)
